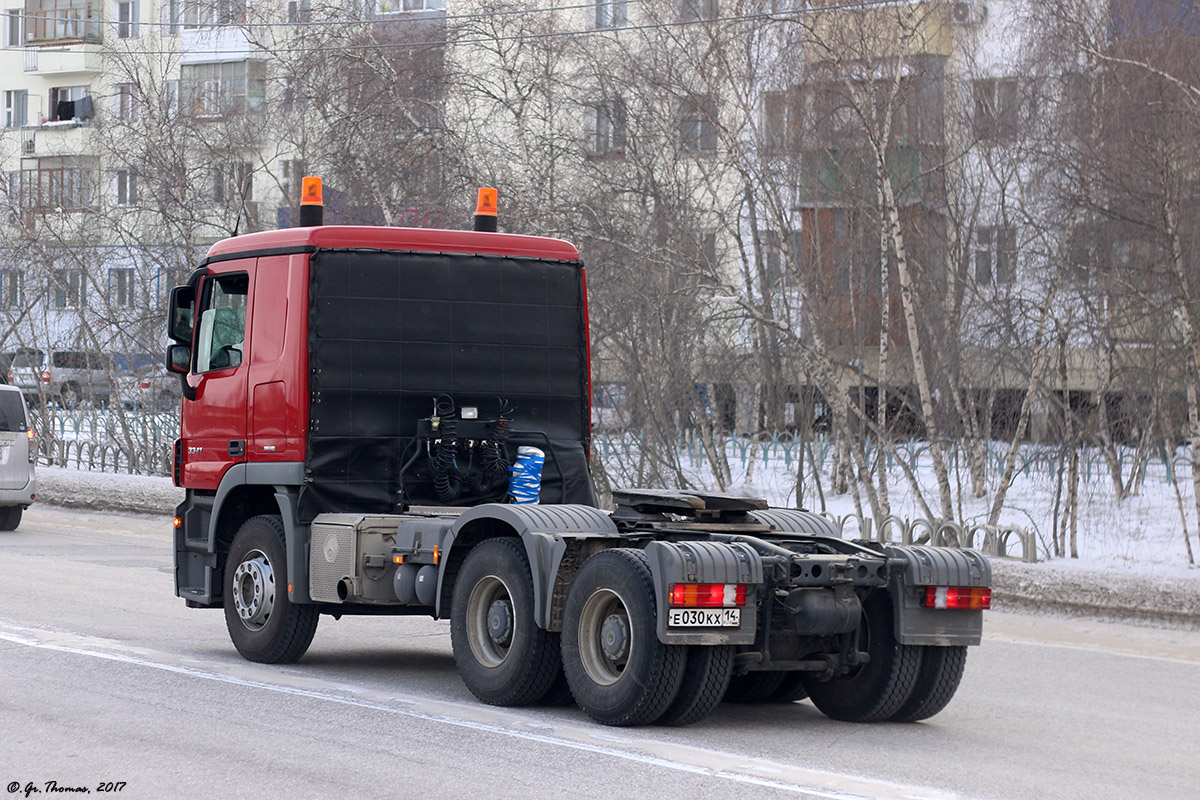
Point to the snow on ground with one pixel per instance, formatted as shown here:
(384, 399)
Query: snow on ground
(1139, 535)
(1132, 562)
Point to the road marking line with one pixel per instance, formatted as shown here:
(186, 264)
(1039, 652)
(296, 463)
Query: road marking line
(798, 780)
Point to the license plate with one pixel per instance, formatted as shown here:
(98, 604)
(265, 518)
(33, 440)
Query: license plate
(704, 617)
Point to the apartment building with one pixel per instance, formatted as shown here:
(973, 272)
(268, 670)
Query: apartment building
(135, 133)
(720, 159)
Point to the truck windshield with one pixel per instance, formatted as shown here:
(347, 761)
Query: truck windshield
(222, 323)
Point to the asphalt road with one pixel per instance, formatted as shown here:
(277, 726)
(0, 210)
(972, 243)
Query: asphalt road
(106, 678)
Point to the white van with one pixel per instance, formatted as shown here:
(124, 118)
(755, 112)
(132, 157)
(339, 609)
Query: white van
(18, 486)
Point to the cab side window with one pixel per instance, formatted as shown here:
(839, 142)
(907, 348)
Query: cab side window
(220, 342)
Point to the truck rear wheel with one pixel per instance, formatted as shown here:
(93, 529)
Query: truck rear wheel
(264, 625)
(504, 658)
(618, 670)
(705, 679)
(878, 689)
(937, 681)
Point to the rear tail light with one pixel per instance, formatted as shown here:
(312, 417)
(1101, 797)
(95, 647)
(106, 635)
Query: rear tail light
(45, 377)
(957, 597)
(707, 595)
(32, 446)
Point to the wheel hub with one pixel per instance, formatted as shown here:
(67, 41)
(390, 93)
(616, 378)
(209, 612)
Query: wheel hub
(499, 622)
(254, 590)
(491, 621)
(614, 637)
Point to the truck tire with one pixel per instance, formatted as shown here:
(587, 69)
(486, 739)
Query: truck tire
(10, 517)
(876, 690)
(504, 658)
(937, 681)
(264, 625)
(753, 687)
(705, 679)
(618, 670)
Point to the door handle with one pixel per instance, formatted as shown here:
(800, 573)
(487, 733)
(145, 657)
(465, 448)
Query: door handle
(237, 447)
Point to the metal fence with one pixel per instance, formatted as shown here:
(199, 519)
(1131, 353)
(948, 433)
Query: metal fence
(105, 439)
(1000, 541)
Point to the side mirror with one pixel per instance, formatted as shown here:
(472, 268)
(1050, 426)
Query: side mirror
(182, 314)
(179, 358)
(179, 361)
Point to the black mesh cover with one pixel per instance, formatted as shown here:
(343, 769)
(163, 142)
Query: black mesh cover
(390, 331)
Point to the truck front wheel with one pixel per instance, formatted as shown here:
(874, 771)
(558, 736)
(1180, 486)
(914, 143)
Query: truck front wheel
(264, 625)
(878, 689)
(618, 670)
(504, 658)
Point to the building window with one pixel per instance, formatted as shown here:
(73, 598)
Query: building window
(398, 6)
(127, 188)
(291, 175)
(780, 263)
(782, 120)
(697, 125)
(16, 108)
(68, 288)
(14, 27)
(996, 109)
(691, 10)
(608, 123)
(205, 13)
(63, 20)
(612, 13)
(170, 99)
(127, 102)
(995, 255)
(70, 103)
(298, 11)
(232, 183)
(120, 286)
(128, 19)
(226, 88)
(10, 288)
(294, 98)
(59, 184)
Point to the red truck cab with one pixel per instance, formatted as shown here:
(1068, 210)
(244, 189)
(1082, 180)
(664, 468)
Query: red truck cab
(308, 357)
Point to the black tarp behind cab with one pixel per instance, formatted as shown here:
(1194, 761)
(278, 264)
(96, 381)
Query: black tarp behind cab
(391, 331)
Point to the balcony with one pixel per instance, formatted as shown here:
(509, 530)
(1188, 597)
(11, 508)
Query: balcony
(63, 139)
(81, 59)
(883, 31)
(57, 22)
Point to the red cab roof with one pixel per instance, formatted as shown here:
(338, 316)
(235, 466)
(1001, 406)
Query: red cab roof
(425, 240)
